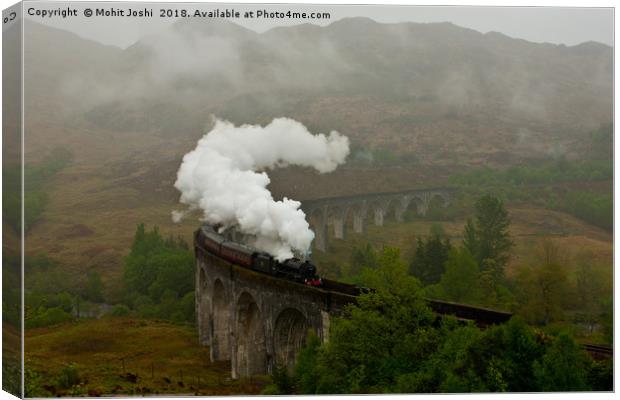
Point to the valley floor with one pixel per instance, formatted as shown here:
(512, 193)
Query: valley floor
(126, 356)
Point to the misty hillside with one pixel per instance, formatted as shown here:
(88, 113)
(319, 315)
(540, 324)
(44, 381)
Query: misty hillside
(421, 103)
(54, 60)
(442, 93)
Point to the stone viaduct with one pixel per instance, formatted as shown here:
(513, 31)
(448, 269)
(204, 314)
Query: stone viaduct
(258, 321)
(338, 211)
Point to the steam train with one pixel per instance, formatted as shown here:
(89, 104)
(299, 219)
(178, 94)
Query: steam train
(293, 268)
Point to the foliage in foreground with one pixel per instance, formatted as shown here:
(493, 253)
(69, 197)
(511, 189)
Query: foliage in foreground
(390, 342)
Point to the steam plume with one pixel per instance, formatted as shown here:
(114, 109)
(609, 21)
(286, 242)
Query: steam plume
(220, 177)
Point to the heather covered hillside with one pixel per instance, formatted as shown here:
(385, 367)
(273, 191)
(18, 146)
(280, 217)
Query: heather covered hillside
(438, 93)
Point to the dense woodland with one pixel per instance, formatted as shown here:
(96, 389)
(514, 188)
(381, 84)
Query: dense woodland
(390, 342)
(158, 282)
(554, 290)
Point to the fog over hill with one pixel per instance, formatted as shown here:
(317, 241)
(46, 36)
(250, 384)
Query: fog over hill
(435, 97)
(441, 92)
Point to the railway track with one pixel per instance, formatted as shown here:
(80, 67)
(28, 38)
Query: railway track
(598, 352)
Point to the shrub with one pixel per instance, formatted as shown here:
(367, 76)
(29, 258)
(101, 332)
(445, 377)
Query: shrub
(119, 310)
(47, 317)
(68, 377)
(563, 368)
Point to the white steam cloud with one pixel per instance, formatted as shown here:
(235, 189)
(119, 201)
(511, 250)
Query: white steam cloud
(220, 177)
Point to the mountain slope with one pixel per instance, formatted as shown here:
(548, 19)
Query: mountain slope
(437, 90)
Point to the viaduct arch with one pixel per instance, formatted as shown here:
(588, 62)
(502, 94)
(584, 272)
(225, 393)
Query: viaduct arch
(338, 211)
(257, 321)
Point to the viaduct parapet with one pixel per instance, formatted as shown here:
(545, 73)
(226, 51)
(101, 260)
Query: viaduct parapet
(258, 321)
(339, 211)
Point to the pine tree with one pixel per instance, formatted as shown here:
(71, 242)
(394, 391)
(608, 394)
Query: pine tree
(429, 259)
(487, 238)
(492, 223)
(138, 239)
(470, 238)
(460, 281)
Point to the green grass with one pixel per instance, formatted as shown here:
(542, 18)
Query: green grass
(166, 359)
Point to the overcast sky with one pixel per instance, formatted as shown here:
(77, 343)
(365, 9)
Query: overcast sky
(567, 26)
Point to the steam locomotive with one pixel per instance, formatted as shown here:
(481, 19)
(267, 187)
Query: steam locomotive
(293, 268)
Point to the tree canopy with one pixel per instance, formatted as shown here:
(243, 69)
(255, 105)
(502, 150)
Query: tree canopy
(487, 238)
(390, 342)
(159, 276)
(429, 258)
